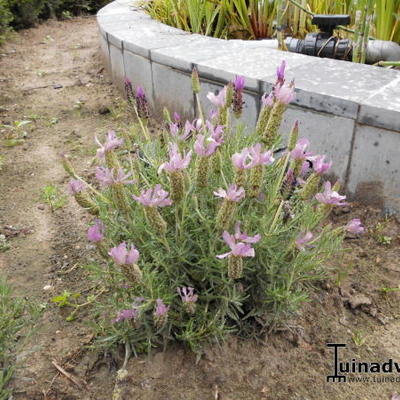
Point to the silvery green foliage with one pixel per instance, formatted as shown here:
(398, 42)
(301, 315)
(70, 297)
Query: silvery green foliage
(205, 230)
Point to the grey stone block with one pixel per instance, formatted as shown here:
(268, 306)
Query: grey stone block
(253, 62)
(146, 37)
(117, 66)
(112, 8)
(105, 52)
(250, 108)
(184, 56)
(172, 89)
(330, 135)
(336, 86)
(138, 70)
(375, 167)
(383, 108)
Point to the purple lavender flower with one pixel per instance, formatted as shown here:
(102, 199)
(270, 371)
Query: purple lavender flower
(140, 92)
(267, 100)
(155, 197)
(177, 117)
(142, 104)
(238, 83)
(96, 232)
(244, 237)
(112, 142)
(305, 166)
(107, 176)
(129, 91)
(280, 73)
(176, 161)
(219, 99)
(395, 396)
(260, 158)
(330, 197)
(187, 295)
(354, 226)
(175, 127)
(205, 150)
(251, 157)
(319, 165)
(161, 308)
(122, 256)
(232, 194)
(239, 249)
(122, 315)
(303, 239)
(284, 93)
(216, 132)
(299, 152)
(76, 186)
(239, 159)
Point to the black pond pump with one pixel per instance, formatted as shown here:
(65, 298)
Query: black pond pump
(325, 44)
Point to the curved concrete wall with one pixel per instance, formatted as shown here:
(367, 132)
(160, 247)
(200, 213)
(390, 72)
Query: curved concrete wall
(349, 111)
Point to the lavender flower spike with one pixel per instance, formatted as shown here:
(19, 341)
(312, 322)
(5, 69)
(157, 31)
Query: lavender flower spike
(188, 298)
(244, 237)
(239, 249)
(354, 226)
(96, 232)
(260, 158)
(267, 101)
(280, 73)
(240, 245)
(205, 150)
(299, 152)
(219, 99)
(131, 313)
(75, 186)
(155, 197)
(112, 142)
(319, 164)
(122, 256)
(232, 194)
(303, 240)
(77, 189)
(330, 197)
(107, 177)
(160, 314)
(285, 94)
(161, 308)
(176, 161)
(142, 104)
(238, 83)
(239, 159)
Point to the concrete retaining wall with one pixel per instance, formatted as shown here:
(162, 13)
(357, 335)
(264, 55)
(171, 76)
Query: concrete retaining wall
(350, 112)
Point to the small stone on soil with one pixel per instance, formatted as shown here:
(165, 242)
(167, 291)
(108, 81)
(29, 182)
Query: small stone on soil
(359, 300)
(104, 110)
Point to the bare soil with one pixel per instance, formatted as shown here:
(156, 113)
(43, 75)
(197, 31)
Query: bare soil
(52, 75)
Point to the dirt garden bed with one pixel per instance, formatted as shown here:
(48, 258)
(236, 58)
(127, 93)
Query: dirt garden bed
(52, 75)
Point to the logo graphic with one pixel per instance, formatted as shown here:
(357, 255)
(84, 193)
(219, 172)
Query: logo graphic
(353, 366)
(336, 377)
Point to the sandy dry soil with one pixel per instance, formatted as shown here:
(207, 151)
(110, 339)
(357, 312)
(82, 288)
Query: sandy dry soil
(53, 76)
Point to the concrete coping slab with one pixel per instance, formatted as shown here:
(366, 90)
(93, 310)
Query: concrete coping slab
(367, 94)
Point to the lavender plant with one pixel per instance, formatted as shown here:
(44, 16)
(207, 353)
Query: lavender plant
(204, 230)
